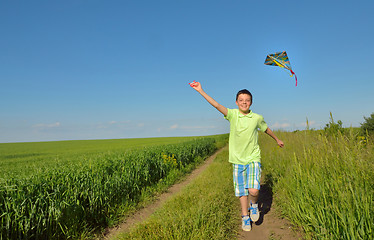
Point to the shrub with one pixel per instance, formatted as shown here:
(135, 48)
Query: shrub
(368, 125)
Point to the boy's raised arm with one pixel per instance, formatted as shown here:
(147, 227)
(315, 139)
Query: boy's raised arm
(214, 103)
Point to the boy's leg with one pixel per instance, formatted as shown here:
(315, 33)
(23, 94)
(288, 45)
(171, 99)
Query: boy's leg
(244, 205)
(241, 191)
(254, 175)
(246, 220)
(253, 195)
(253, 204)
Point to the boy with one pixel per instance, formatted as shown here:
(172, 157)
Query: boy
(244, 151)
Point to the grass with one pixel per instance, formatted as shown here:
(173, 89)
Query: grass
(75, 199)
(324, 184)
(205, 209)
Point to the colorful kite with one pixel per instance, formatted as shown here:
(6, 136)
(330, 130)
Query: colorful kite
(280, 59)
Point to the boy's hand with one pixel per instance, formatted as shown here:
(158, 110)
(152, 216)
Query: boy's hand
(196, 85)
(280, 143)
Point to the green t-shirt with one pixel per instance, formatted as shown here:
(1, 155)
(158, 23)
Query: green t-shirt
(243, 140)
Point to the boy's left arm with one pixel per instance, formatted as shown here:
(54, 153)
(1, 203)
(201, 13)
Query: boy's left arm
(271, 134)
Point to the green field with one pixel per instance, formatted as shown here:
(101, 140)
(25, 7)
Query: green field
(322, 181)
(69, 189)
(26, 158)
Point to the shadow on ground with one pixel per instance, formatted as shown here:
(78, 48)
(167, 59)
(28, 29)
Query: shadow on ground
(265, 199)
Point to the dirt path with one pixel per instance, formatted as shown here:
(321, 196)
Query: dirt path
(269, 226)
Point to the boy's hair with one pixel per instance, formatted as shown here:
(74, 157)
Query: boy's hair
(244, 91)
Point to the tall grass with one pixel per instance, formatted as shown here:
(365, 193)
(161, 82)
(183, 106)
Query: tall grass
(61, 203)
(205, 209)
(325, 184)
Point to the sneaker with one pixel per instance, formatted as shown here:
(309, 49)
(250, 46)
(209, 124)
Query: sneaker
(254, 212)
(246, 223)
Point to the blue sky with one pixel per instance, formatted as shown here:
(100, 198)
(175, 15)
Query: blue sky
(120, 69)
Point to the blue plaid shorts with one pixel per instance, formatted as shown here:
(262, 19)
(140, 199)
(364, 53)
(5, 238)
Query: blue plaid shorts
(246, 176)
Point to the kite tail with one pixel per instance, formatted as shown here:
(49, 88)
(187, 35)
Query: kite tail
(295, 77)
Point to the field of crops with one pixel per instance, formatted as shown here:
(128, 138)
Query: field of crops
(324, 182)
(81, 186)
(26, 158)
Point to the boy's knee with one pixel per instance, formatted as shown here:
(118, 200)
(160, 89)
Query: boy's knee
(253, 192)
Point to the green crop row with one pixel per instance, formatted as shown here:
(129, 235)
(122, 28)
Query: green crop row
(324, 184)
(60, 203)
(27, 158)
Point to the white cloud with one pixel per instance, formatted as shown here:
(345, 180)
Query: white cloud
(46, 125)
(197, 127)
(285, 125)
(118, 122)
(113, 124)
(278, 125)
(175, 126)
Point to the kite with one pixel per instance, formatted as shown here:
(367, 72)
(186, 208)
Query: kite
(280, 59)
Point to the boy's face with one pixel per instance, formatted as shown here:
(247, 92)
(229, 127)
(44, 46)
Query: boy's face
(244, 102)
